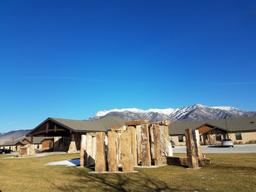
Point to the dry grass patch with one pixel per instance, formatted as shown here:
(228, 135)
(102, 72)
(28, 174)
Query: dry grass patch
(229, 172)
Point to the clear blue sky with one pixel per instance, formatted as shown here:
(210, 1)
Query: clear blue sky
(72, 58)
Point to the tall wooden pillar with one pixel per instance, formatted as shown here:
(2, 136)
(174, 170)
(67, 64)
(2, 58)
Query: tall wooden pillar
(112, 151)
(83, 154)
(100, 160)
(157, 144)
(198, 148)
(139, 148)
(191, 151)
(133, 144)
(126, 152)
(145, 146)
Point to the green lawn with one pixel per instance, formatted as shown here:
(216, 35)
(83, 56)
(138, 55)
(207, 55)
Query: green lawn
(228, 172)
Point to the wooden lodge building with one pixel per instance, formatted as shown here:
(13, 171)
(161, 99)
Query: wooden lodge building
(67, 133)
(239, 130)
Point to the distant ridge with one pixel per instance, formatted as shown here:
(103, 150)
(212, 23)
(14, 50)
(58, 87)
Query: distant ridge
(12, 135)
(197, 112)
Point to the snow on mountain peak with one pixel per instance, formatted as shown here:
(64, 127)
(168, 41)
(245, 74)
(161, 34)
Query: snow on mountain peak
(197, 112)
(225, 108)
(105, 112)
(167, 111)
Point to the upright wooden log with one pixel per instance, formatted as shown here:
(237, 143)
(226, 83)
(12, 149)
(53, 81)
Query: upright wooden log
(83, 154)
(133, 144)
(164, 143)
(112, 151)
(89, 150)
(138, 141)
(191, 152)
(126, 152)
(152, 142)
(198, 148)
(157, 152)
(145, 146)
(100, 160)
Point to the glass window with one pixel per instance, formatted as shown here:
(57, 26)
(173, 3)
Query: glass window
(238, 136)
(181, 139)
(218, 137)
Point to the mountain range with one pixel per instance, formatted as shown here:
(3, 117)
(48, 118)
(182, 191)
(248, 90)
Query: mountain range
(194, 112)
(12, 135)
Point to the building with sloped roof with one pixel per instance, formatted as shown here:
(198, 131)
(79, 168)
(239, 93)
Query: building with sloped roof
(40, 143)
(67, 132)
(239, 130)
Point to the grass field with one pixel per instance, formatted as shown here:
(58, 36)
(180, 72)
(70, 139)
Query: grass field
(228, 172)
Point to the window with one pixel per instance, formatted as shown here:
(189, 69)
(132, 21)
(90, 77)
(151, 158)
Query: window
(238, 136)
(218, 137)
(181, 138)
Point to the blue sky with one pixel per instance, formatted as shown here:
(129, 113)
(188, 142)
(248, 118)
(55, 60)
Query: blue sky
(72, 58)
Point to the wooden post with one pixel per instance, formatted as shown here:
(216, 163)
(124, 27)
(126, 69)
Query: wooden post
(191, 153)
(145, 146)
(112, 151)
(156, 132)
(88, 151)
(198, 148)
(138, 141)
(83, 154)
(160, 144)
(100, 160)
(152, 142)
(133, 144)
(126, 153)
(163, 145)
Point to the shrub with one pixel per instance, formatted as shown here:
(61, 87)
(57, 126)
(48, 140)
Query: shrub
(238, 142)
(251, 142)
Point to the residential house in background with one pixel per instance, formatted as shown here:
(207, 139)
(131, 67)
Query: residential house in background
(39, 143)
(239, 130)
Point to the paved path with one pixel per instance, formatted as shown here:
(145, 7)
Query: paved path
(44, 154)
(236, 149)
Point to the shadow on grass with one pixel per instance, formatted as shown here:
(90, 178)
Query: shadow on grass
(113, 182)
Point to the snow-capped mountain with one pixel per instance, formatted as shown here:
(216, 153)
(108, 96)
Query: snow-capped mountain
(194, 112)
(167, 111)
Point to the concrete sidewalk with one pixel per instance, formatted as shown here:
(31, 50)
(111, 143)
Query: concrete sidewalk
(250, 148)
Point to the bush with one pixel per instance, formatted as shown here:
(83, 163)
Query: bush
(251, 142)
(238, 142)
